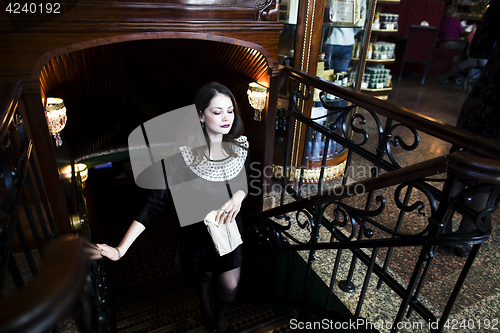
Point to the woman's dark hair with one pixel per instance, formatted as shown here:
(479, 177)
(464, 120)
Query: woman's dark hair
(202, 101)
(450, 10)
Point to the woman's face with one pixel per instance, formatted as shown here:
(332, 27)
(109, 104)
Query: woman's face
(218, 117)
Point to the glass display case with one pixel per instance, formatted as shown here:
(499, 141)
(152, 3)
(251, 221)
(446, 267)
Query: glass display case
(344, 36)
(344, 40)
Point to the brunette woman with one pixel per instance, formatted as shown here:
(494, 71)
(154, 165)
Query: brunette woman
(211, 177)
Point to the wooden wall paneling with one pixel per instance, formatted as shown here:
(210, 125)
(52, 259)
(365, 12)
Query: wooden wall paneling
(26, 53)
(133, 83)
(147, 12)
(91, 24)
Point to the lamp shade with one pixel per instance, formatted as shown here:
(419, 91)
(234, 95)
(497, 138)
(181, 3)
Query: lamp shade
(80, 169)
(257, 97)
(55, 113)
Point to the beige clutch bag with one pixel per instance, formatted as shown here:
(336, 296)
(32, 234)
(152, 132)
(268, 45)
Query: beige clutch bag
(226, 237)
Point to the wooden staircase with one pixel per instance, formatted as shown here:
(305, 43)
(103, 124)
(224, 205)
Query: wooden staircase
(176, 309)
(149, 293)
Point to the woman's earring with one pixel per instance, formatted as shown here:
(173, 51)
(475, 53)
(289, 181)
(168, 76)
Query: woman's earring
(202, 124)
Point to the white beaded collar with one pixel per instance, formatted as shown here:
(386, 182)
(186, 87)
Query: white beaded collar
(218, 171)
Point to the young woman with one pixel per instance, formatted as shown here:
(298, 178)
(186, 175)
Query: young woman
(216, 172)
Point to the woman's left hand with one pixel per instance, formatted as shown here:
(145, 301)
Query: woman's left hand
(230, 209)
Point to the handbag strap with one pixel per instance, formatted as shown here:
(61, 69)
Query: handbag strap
(227, 186)
(229, 189)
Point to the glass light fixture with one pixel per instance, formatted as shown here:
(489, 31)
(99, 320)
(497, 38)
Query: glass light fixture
(80, 169)
(257, 96)
(55, 113)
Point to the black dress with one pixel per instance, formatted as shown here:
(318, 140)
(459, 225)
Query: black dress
(480, 112)
(195, 192)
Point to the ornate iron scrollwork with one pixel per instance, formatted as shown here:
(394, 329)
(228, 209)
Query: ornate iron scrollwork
(396, 140)
(418, 205)
(350, 124)
(270, 233)
(297, 94)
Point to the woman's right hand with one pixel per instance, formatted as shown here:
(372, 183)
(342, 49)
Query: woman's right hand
(115, 253)
(109, 252)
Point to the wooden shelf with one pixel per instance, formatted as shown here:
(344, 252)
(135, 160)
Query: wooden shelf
(381, 60)
(376, 90)
(341, 25)
(378, 93)
(385, 31)
(469, 17)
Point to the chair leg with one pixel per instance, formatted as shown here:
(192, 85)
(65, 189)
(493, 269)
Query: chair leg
(401, 70)
(425, 72)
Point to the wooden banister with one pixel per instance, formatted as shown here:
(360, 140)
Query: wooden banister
(53, 293)
(476, 144)
(9, 97)
(478, 168)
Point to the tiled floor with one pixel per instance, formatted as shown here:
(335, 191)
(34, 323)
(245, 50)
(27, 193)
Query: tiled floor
(433, 99)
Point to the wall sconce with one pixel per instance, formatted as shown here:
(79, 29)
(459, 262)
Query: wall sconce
(80, 169)
(257, 96)
(55, 113)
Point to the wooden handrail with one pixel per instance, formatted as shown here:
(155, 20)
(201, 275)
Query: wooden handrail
(10, 93)
(478, 168)
(474, 143)
(53, 293)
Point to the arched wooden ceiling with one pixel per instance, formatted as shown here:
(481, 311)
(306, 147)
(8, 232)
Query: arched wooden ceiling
(109, 90)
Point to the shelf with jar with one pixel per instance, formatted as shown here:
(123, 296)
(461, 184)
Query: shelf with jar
(378, 52)
(385, 23)
(377, 80)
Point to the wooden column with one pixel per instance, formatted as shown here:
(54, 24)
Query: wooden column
(308, 38)
(307, 49)
(275, 83)
(34, 117)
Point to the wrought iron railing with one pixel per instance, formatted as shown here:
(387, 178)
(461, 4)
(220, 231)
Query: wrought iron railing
(395, 204)
(64, 283)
